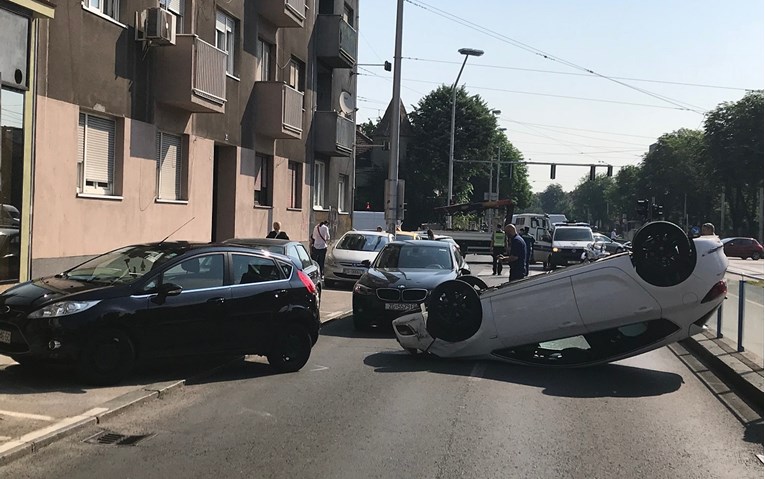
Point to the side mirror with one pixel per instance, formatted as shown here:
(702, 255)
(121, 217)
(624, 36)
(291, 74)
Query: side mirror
(366, 263)
(165, 290)
(464, 271)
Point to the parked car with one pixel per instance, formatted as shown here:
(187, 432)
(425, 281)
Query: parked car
(344, 260)
(294, 249)
(407, 235)
(664, 291)
(158, 300)
(400, 279)
(742, 248)
(610, 245)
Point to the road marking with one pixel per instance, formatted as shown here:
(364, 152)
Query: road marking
(23, 415)
(58, 426)
(319, 368)
(5, 438)
(477, 373)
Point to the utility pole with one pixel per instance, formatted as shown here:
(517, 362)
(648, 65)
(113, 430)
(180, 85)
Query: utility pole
(391, 186)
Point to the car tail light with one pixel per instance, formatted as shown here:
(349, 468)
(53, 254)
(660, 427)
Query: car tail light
(719, 289)
(307, 282)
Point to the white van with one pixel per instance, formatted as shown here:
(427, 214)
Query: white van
(563, 245)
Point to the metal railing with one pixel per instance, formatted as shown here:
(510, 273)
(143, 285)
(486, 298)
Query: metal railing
(345, 133)
(209, 75)
(348, 43)
(292, 115)
(741, 314)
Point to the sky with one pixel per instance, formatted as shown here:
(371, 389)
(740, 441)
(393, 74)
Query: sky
(687, 57)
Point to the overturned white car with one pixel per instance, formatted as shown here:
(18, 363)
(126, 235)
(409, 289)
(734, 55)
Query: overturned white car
(663, 291)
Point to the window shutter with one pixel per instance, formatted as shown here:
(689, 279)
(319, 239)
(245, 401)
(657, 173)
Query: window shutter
(80, 150)
(175, 6)
(169, 167)
(99, 152)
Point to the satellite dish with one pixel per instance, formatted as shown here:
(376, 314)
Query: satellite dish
(346, 103)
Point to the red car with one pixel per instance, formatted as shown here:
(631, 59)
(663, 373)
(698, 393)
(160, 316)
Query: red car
(742, 248)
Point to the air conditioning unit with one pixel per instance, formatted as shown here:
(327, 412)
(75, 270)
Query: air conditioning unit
(156, 25)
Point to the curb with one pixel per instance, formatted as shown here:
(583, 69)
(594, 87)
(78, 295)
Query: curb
(336, 316)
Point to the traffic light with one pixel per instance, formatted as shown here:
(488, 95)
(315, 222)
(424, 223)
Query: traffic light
(610, 171)
(552, 172)
(641, 208)
(592, 173)
(387, 66)
(657, 212)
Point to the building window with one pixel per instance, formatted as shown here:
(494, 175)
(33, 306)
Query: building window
(176, 8)
(342, 192)
(296, 184)
(170, 167)
(348, 14)
(265, 54)
(263, 178)
(295, 75)
(225, 38)
(319, 183)
(95, 160)
(110, 8)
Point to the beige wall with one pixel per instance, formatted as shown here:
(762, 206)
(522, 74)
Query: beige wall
(65, 225)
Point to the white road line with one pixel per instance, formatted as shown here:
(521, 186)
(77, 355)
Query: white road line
(5, 438)
(62, 424)
(477, 373)
(23, 415)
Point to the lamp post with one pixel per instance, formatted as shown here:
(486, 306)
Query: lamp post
(499, 162)
(468, 52)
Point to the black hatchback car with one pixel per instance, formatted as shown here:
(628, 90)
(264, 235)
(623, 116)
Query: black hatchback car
(401, 278)
(160, 300)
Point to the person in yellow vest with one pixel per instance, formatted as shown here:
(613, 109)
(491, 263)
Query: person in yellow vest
(497, 250)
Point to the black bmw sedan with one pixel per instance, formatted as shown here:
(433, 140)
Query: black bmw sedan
(161, 300)
(400, 279)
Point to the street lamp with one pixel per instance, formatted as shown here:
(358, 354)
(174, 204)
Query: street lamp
(468, 52)
(499, 162)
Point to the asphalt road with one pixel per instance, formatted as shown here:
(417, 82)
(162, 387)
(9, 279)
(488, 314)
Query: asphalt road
(362, 408)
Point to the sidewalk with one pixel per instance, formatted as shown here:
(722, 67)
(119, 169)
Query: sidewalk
(38, 408)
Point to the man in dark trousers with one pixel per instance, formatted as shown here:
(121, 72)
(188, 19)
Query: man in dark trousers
(529, 240)
(516, 253)
(497, 249)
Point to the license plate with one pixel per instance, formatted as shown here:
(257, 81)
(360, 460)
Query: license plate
(354, 271)
(5, 336)
(402, 306)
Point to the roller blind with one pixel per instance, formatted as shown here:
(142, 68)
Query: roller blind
(169, 166)
(96, 137)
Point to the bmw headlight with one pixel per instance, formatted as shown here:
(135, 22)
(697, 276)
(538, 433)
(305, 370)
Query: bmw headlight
(62, 308)
(359, 288)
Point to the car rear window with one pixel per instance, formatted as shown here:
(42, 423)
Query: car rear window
(573, 234)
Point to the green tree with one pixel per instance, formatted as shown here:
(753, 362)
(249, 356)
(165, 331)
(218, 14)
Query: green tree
(554, 200)
(369, 127)
(624, 194)
(734, 138)
(589, 200)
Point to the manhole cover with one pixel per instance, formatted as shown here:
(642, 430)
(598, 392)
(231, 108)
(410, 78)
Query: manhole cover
(116, 439)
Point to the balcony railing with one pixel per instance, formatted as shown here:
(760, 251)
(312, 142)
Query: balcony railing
(337, 41)
(278, 111)
(282, 13)
(191, 75)
(334, 134)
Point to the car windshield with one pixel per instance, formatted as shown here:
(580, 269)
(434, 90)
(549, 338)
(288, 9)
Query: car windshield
(409, 256)
(362, 242)
(123, 265)
(573, 234)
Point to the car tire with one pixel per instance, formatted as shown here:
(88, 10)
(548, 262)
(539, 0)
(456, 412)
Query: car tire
(292, 349)
(662, 254)
(107, 358)
(477, 283)
(454, 311)
(30, 363)
(756, 256)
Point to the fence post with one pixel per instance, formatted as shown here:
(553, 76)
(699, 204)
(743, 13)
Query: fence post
(741, 303)
(719, 321)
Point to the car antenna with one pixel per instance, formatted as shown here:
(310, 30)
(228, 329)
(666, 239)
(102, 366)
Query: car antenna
(177, 229)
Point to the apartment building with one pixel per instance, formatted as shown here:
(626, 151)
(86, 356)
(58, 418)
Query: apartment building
(212, 118)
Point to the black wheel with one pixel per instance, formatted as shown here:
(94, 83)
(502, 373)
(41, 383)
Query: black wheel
(291, 350)
(755, 256)
(454, 311)
(474, 281)
(107, 358)
(662, 254)
(28, 362)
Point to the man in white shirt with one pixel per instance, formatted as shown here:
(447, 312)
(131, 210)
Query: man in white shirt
(613, 234)
(320, 237)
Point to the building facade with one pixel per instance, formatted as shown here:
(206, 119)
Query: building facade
(198, 119)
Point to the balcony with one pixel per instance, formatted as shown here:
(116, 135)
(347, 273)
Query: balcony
(278, 110)
(191, 75)
(282, 13)
(337, 41)
(334, 134)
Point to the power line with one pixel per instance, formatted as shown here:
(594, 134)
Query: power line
(498, 36)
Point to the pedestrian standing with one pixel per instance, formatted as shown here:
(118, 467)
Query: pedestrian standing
(613, 234)
(320, 236)
(497, 250)
(529, 240)
(707, 229)
(516, 253)
(277, 232)
(431, 235)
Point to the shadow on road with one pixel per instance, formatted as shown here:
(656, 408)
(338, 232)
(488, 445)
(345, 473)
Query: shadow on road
(753, 432)
(343, 328)
(610, 380)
